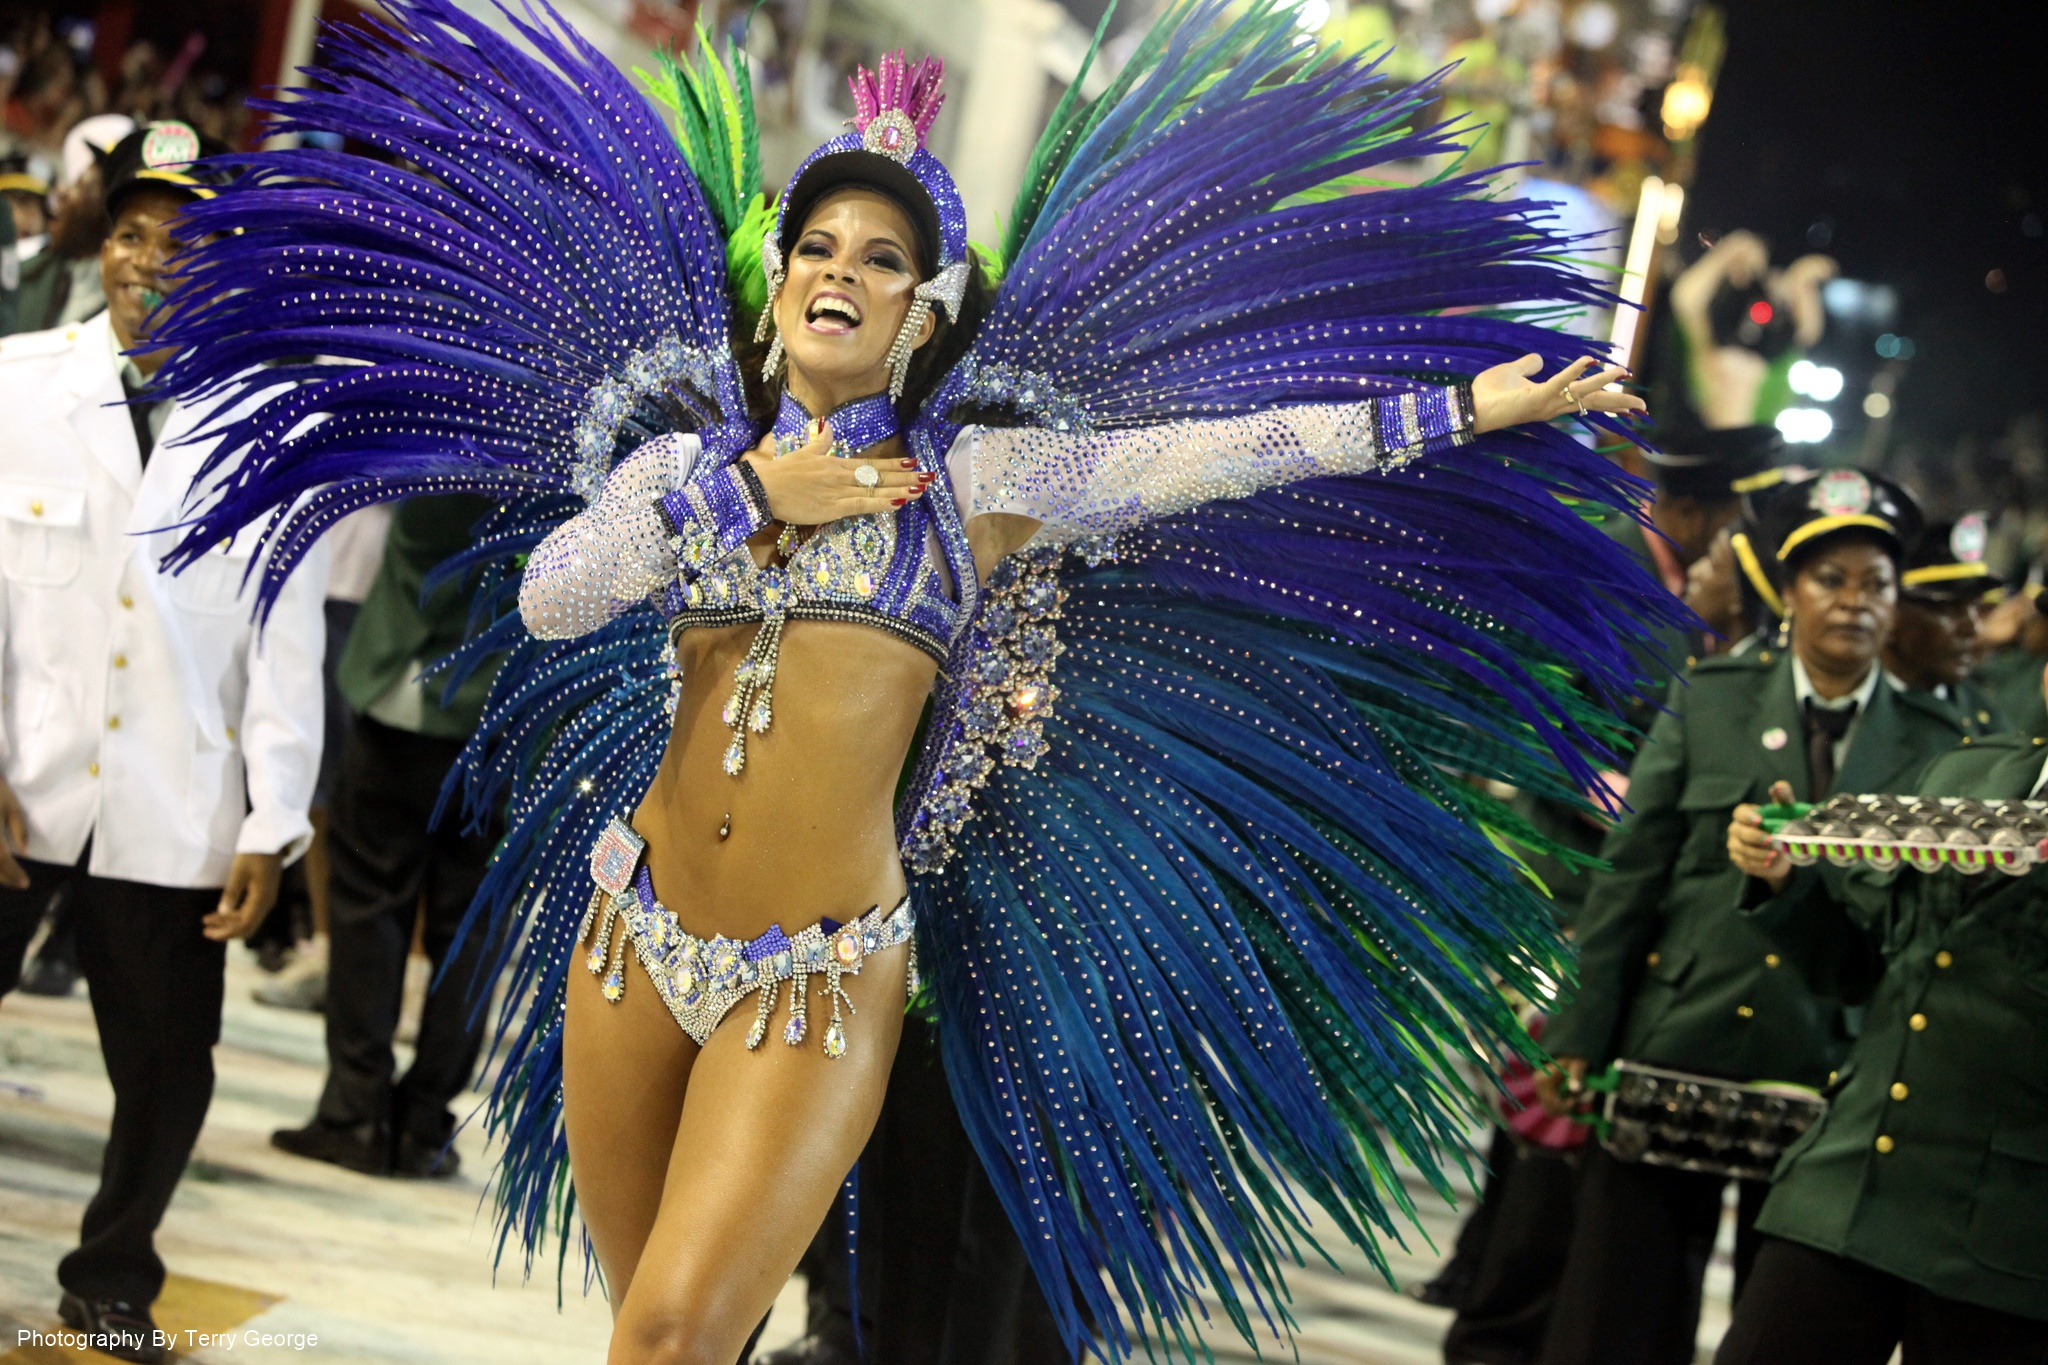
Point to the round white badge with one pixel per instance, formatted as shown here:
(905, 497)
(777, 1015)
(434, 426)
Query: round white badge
(170, 146)
(1969, 538)
(1841, 493)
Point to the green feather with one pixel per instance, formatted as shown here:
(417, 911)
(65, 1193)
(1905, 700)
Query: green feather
(712, 102)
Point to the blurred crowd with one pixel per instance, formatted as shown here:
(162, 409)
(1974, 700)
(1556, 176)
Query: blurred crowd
(50, 81)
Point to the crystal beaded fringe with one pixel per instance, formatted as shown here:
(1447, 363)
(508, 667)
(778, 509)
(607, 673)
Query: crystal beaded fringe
(751, 705)
(700, 980)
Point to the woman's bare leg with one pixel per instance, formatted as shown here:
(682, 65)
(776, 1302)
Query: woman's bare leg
(625, 1066)
(765, 1142)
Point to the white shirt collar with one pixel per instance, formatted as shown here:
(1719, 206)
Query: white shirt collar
(131, 376)
(1899, 684)
(2039, 782)
(1802, 689)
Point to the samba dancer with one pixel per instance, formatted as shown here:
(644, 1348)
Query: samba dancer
(1306, 661)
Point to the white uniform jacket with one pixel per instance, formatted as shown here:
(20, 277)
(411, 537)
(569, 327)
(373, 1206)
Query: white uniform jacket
(139, 709)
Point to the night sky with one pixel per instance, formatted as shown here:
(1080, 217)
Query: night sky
(1920, 132)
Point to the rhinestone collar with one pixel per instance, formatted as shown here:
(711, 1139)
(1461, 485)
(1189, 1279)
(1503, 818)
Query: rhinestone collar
(855, 426)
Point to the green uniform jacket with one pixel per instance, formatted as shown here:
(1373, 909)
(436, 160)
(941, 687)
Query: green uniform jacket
(1669, 972)
(395, 632)
(1566, 824)
(1932, 1164)
(1974, 708)
(2012, 678)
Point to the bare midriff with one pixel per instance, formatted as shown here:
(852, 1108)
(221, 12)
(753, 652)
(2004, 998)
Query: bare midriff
(811, 817)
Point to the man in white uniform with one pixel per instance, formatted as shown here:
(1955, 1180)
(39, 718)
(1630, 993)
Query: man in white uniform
(158, 752)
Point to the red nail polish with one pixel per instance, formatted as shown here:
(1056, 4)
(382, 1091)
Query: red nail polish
(908, 464)
(897, 502)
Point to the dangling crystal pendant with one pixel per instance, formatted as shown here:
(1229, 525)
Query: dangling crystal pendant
(736, 754)
(835, 1041)
(758, 720)
(793, 1031)
(614, 987)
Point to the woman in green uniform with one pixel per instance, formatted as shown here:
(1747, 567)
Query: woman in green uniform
(1670, 974)
(1934, 641)
(1916, 1213)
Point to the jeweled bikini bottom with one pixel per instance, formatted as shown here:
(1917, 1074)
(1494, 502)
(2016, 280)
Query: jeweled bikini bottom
(700, 979)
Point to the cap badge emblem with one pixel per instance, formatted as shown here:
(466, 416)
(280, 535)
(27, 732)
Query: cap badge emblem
(1775, 738)
(1841, 493)
(170, 146)
(1969, 538)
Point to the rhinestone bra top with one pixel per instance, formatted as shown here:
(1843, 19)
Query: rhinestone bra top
(882, 570)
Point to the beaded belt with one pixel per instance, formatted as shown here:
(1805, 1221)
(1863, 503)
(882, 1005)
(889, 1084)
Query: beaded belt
(701, 979)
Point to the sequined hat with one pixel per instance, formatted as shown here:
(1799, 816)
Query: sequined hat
(894, 106)
(1947, 563)
(1795, 517)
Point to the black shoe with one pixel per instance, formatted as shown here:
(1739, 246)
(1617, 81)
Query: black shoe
(125, 1331)
(811, 1351)
(50, 974)
(427, 1160)
(363, 1147)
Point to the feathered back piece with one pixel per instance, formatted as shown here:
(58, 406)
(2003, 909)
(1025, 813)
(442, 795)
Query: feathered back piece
(713, 103)
(1207, 926)
(526, 279)
(545, 290)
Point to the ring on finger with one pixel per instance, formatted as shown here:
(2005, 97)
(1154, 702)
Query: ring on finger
(865, 475)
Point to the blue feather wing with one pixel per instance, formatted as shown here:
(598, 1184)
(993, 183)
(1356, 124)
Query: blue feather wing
(1191, 258)
(525, 283)
(1211, 900)
(535, 287)
(1248, 896)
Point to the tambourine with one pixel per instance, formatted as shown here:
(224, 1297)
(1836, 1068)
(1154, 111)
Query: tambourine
(1929, 833)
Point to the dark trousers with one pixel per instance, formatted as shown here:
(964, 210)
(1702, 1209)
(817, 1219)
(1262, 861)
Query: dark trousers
(1807, 1307)
(943, 1279)
(386, 862)
(1641, 1240)
(156, 985)
(1512, 1252)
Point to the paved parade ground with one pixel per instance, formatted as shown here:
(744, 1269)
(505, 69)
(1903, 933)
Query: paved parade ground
(394, 1272)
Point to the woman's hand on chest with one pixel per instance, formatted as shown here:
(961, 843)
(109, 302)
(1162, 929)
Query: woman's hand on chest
(812, 486)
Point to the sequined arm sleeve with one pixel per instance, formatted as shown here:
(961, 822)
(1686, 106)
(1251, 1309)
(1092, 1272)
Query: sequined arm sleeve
(716, 512)
(611, 555)
(1082, 486)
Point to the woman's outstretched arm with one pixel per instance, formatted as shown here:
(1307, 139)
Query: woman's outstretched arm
(1093, 485)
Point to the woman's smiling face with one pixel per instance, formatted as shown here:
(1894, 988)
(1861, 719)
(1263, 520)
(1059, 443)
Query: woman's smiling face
(850, 279)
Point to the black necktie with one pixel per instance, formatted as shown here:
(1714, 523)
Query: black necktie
(139, 414)
(1824, 729)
